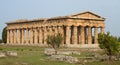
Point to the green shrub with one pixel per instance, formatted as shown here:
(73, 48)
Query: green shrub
(4, 35)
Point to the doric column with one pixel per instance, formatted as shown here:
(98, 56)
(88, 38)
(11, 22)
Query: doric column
(12, 37)
(79, 35)
(67, 35)
(102, 30)
(50, 31)
(89, 35)
(22, 30)
(18, 38)
(8, 36)
(96, 35)
(31, 36)
(14, 31)
(82, 35)
(36, 36)
(74, 35)
(62, 33)
(56, 29)
(40, 35)
(27, 33)
(45, 35)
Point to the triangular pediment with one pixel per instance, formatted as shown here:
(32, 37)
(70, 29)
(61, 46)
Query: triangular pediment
(88, 15)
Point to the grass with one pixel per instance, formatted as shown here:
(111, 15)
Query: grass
(33, 55)
(28, 55)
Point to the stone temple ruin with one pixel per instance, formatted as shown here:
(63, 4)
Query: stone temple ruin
(78, 30)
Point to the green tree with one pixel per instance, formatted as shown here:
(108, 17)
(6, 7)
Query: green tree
(109, 43)
(54, 41)
(0, 40)
(4, 35)
(119, 39)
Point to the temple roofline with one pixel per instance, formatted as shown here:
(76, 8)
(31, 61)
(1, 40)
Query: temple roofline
(58, 17)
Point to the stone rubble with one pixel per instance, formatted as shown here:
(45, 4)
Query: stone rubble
(8, 53)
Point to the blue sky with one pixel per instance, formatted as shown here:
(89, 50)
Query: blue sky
(11, 10)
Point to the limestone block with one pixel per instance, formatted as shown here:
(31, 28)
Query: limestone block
(11, 53)
(2, 54)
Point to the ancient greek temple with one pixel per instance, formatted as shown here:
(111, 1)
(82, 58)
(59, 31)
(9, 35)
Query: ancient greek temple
(78, 30)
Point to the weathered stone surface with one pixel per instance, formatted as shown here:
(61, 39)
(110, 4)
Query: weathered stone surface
(81, 30)
(68, 59)
(11, 53)
(8, 53)
(49, 51)
(2, 54)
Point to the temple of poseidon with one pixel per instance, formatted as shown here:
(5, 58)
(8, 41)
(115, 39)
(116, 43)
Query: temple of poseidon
(78, 30)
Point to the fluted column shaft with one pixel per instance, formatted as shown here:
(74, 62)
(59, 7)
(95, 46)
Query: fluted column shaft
(74, 35)
(18, 38)
(102, 30)
(56, 30)
(89, 35)
(14, 35)
(82, 35)
(40, 36)
(45, 35)
(27, 36)
(67, 35)
(10, 36)
(96, 35)
(22, 36)
(62, 33)
(79, 34)
(36, 36)
(50, 31)
(31, 36)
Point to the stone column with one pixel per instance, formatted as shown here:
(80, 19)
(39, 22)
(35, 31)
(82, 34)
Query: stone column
(18, 38)
(27, 33)
(40, 36)
(56, 30)
(79, 35)
(22, 30)
(74, 35)
(62, 33)
(8, 36)
(89, 35)
(82, 35)
(67, 35)
(45, 35)
(96, 35)
(102, 30)
(50, 31)
(36, 36)
(14, 36)
(31, 36)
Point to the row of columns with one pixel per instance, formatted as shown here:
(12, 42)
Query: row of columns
(78, 35)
